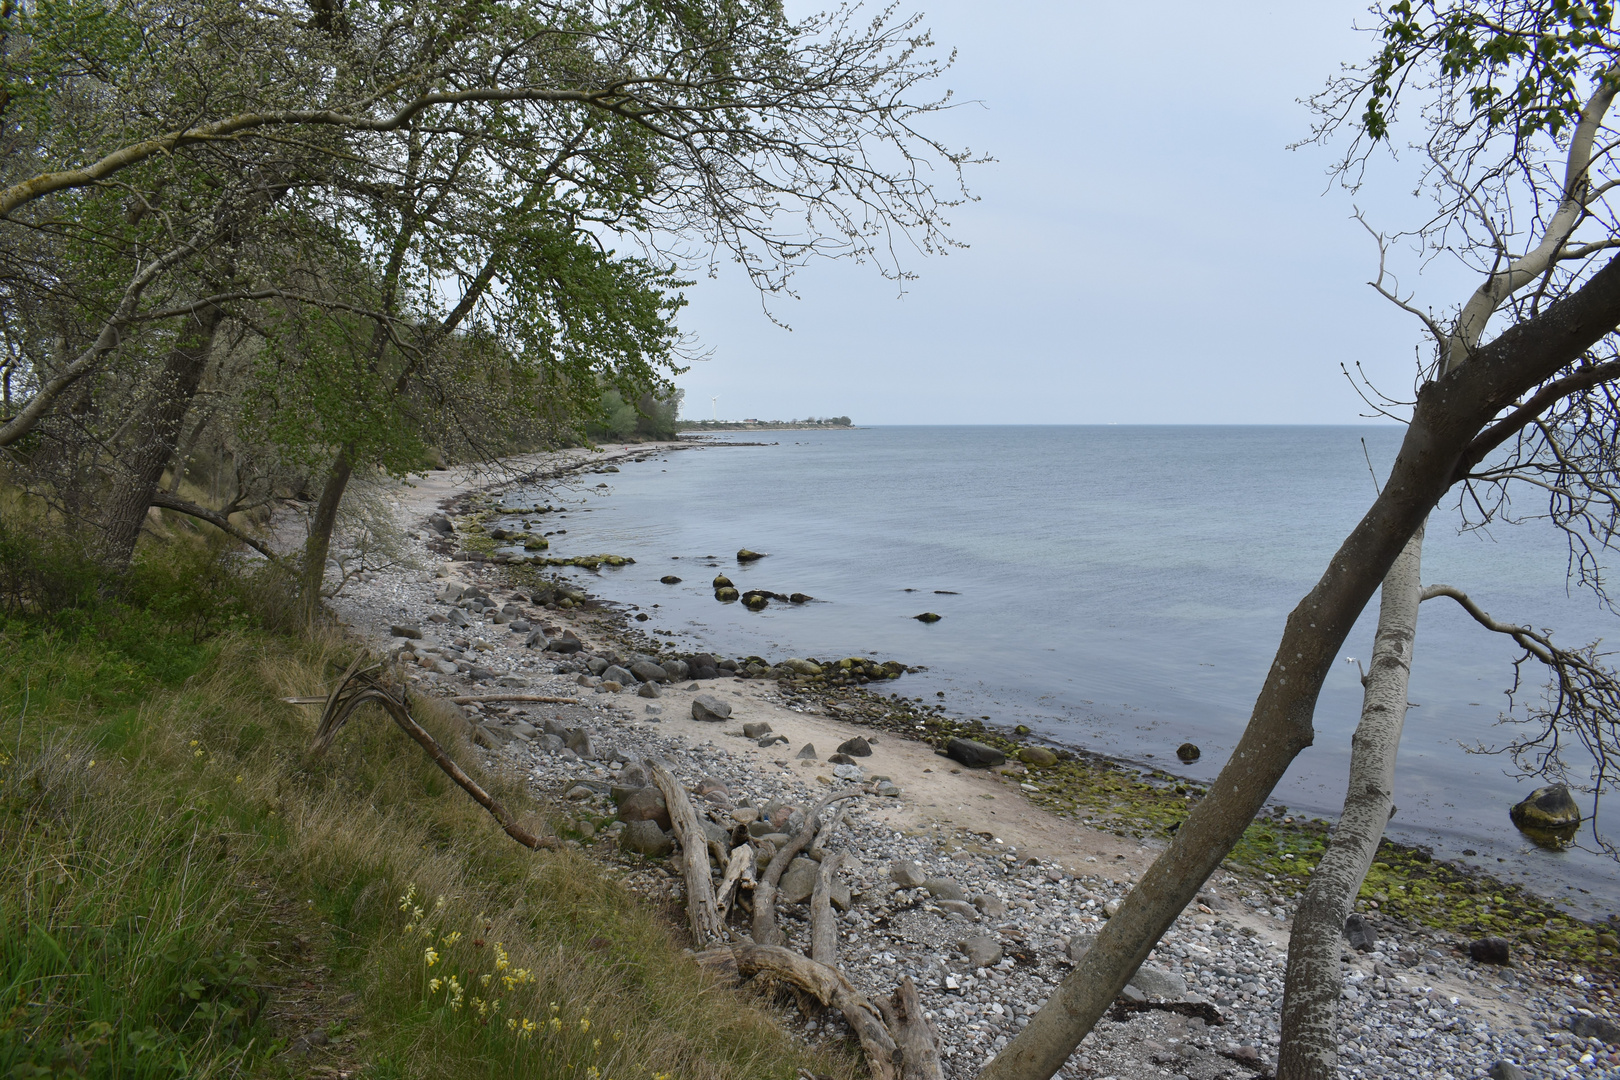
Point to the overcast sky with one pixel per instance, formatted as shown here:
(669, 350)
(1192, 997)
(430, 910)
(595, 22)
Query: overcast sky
(1145, 248)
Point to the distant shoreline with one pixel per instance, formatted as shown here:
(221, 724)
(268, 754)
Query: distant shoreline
(689, 426)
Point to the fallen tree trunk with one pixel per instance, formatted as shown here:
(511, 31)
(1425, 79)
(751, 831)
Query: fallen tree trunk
(739, 870)
(701, 910)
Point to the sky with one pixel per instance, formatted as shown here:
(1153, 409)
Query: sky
(1145, 247)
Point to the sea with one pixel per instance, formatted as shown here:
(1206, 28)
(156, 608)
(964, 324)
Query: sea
(1118, 589)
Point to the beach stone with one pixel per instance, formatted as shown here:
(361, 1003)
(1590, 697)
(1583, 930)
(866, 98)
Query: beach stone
(755, 730)
(1080, 944)
(480, 673)
(654, 710)
(1037, 755)
(840, 759)
(649, 690)
(609, 686)
(578, 793)
(620, 675)
(645, 804)
(646, 838)
(746, 556)
(745, 815)
(973, 754)
(960, 907)
(772, 740)
(406, 631)
(567, 643)
(635, 775)
(807, 752)
(801, 667)
(889, 790)
(849, 772)
(907, 874)
(519, 626)
(1504, 1070)
(981, 950)
(1157, 982)
(721, 581)
(1111, 908)
(647, 671)
(579, 741)
(993, 907)
(799, 881)
(856, 747)
(550, 743)
(1188, 753)
(710, 708)
(676, 670)
(670, 579)
(1596, 1026)
(1359, 933)
(1491, 950)
(756, 601)
(944, 888)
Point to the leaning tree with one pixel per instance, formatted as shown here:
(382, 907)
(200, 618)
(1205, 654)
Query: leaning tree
(1513, 98)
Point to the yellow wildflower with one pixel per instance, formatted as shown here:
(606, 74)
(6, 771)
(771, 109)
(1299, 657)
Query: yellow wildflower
(556, 1024)
(430, 955)
(501, 961)
(238, 778)
(434, 984)
(452, 937)
(584, 1023)
(483, 980)
(193, 742)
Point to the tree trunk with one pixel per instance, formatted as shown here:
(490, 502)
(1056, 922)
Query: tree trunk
(1450, 415)
(319, 543)
(1309, 1049)
(155, 435)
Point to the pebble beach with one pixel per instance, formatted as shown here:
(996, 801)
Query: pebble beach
(953, 875)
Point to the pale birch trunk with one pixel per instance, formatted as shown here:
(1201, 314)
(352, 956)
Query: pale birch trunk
(1309, 1049)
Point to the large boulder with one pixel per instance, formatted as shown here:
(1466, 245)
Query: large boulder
(676, 670)
(710, 708)
(647, 671)
(801, 667)
(647, 804)
(615, 673)
(646, 838)
(1550, 816)
(973, 754)
(1037, 755)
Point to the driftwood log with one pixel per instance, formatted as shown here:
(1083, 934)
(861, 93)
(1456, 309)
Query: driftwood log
(823, 923)
(827, 985)
(739, 872)
(913, 1033)
(702, 912)
(359, 685)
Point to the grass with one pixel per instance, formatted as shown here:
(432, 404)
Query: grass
(186, 891)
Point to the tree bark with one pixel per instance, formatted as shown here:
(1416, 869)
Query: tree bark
(155, 436)
(1309, 1049)
(702, 913)
(318, 545)
(1450, 412)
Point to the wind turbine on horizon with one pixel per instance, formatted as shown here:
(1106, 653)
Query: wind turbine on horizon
(715, 403)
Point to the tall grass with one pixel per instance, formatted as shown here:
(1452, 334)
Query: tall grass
(147, 901)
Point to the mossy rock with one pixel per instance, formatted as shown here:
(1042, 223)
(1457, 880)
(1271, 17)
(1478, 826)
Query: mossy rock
(746, 556)
(756, 601)
(1550, 817)
(536, 543)
(1037, 755)
(721, 581)
(928, 617)
(725, 594)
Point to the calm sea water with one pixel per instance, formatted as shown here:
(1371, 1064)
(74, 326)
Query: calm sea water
(1120, 589)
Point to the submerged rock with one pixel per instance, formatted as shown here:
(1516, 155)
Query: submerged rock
(725, 594)
(756, 601)
(721, 581)
(1188, 753)
(746, 556)
(670, 579)
(928, 616)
